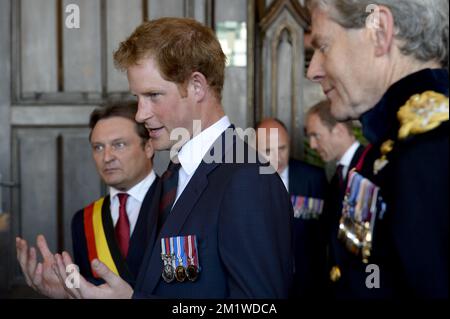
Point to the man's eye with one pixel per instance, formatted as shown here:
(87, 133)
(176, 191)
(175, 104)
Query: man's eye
(119, 145)
(98, 148)
(152, 95)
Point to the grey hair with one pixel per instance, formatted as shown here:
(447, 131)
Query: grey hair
(422, 25)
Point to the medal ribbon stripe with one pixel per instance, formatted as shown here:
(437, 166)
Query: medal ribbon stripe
(179, 261)
(373, 207)
(167, 245)
(353, 194)
(351, 175)
(187, 250)
(163, 246)
(172, 253)
(359, 199)
(195, 251)
(190, 257)
(367, 201)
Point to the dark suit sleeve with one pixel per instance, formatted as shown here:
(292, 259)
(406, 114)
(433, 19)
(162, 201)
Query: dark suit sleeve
(310, 253)
(255, 242)
(420, 216)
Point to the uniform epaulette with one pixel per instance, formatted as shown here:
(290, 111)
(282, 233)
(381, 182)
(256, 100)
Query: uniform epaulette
(422, 113)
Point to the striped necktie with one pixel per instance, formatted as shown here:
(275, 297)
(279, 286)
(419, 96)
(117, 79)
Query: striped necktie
(341, 177)
(169, 191)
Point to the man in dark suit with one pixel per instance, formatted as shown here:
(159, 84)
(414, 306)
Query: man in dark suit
(114, 228)
(335, 142)
(307, 186)
(123, 154)
(381, 67)
(222, 227)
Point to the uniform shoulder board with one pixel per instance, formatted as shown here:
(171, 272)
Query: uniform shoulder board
(422, 113)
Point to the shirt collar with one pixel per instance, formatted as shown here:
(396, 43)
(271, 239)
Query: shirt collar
(285, 173)
(192, 153)
(285, 177)
(348, 155)
(380, 122)
(139, 190)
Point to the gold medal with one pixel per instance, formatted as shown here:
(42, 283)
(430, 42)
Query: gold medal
(192, 272)
(180, 273)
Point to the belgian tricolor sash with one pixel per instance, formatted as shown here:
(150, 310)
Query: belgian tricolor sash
(100, 239)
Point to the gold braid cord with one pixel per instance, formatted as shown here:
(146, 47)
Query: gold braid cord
(422, 113)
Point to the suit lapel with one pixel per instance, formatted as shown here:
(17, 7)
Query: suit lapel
(176, 219)
(142, 231)
(143, 227)
(291, 177)
(152, 229)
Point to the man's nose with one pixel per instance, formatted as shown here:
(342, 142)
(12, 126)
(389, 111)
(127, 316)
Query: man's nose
(108, 154)
(144, 111)
(313, 143)
(315, 70)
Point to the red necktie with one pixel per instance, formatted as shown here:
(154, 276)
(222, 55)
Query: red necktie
(123, 225)
(341, 177)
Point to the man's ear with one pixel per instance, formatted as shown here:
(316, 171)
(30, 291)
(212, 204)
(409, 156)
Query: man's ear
(382, 30)
(198, 85)
(338, 130)
(148, 149)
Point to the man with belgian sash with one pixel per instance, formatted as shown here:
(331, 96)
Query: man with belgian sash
(384, 63)
(114, 228)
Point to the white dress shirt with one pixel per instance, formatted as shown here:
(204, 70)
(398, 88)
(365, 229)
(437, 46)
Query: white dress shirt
(285, 177)
(134, 202)
(192, 153)
(347, 158)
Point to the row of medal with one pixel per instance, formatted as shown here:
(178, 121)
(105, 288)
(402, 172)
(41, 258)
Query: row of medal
(362, 203)
(307, 207)
(180, 257)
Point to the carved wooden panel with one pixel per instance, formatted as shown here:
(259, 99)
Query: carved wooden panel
(282, 68)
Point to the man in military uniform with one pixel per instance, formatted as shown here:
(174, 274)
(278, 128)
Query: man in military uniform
(386, 68)
(335, 142)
